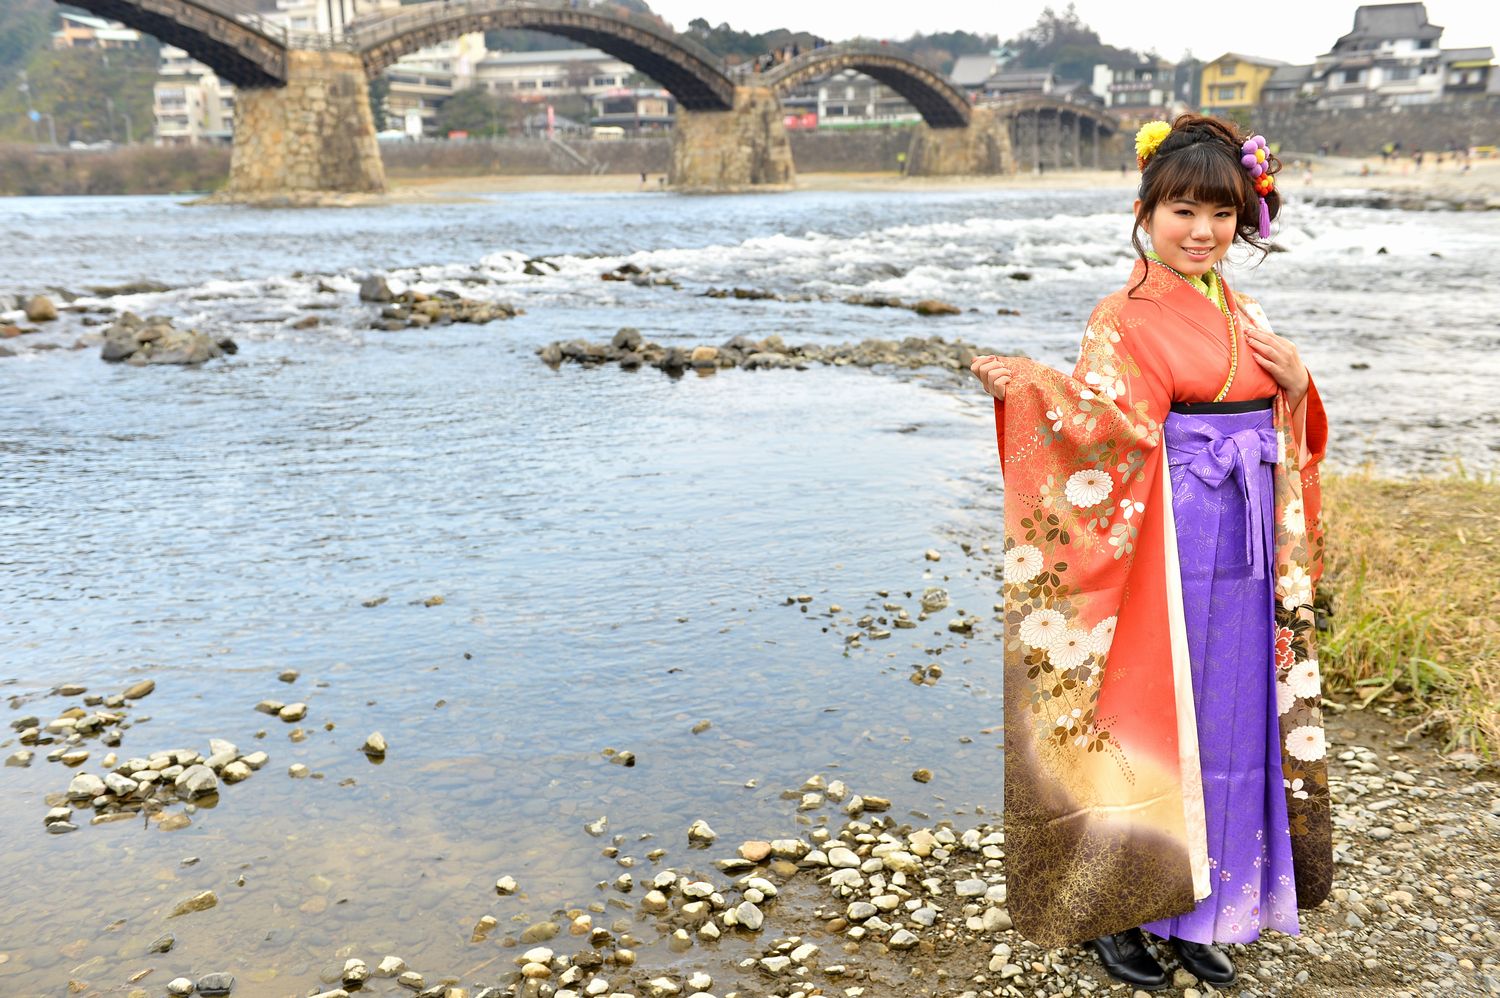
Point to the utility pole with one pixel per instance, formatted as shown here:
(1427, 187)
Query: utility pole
(129, 129)
(109, 106)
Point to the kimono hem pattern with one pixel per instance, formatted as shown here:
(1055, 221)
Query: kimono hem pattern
(1117, 783)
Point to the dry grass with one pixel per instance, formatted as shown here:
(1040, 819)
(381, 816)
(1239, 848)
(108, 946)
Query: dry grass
(1413, 576)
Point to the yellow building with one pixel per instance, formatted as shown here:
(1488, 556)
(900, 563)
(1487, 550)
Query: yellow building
(1235, 81)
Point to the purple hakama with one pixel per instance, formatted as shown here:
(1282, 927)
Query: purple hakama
(1224, 504)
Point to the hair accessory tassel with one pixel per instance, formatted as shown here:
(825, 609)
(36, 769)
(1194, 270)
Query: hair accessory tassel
(1253, 157)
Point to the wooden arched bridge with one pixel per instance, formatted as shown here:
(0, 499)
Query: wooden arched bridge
(938, 101)
(303, 121)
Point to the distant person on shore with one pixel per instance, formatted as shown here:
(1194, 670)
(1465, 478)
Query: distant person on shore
(1165, 763)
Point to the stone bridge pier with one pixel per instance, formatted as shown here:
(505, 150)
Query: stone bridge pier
(745, 148)
(982, 147)
(314, 136)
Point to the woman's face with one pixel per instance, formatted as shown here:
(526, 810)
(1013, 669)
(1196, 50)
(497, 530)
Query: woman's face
(1190, 236)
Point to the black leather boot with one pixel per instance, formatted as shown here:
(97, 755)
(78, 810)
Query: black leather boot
(1126, 958)
(1204, 961)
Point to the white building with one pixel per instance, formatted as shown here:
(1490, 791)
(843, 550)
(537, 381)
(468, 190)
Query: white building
(1390, 58)
(81, 31)
(191, 105)
(535, 76)
(847, 99)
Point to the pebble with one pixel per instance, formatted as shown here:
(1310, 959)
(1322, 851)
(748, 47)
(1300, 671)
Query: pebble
(700, 832)
(85, 786)
(755, 851)
(141, 689)
(506, 885)
(903, 939)
(289, 675)
(297, 771)
(748, 915)
(201, 901)
(215, 984)
(292, 712)
(374, 745)
(179, 986)
(163, 944)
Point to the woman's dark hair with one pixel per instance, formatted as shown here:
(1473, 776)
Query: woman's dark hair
(1200, 160)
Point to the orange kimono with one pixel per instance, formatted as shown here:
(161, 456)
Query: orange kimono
(1104, 814)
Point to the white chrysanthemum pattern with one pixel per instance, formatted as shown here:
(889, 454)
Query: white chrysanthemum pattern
(1088, 488)
(1022, 564)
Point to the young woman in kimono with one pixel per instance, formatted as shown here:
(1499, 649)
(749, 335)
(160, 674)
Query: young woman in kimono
(1165, 763)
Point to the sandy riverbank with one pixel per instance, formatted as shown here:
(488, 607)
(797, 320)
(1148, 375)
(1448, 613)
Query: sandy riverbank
(1445, 181)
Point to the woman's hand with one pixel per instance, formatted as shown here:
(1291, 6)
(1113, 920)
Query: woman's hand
(994, 373)
(1280, 359)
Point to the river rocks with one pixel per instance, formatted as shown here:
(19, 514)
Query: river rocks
(156, 341)
(128, 288)
(85, 787)
(292, 712)
(931, 306)
(416, 309)
(21, 759)
(40, 308)
(772, 352)
(374, 288)
(700, 833)
(144, 688)
(755, 851)
(215, 984)
(506, 885)
(162, 944)
(201, 901)
(374, 746)
(180, 986)
(197, 781)
(356, 973)
(390, 966)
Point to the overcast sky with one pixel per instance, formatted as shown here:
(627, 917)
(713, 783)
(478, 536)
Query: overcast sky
(1289, 30)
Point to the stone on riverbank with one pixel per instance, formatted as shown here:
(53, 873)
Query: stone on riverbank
(201, 901)
(40, 308)
(197, 781)
(215, 984)
(155, 340)
(772, 352)
(374, 746)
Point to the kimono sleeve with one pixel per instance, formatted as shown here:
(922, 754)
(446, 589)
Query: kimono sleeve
(1309, 437)
(1100, 783)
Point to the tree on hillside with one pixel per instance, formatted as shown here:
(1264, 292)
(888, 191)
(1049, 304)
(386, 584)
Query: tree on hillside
(89, 93)
(1068, 45)
(25, 29)
(942, 49)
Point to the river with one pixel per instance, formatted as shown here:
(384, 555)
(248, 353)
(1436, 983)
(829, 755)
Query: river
(561, 564)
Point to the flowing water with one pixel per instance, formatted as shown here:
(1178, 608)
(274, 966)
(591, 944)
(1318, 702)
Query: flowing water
(614, 550)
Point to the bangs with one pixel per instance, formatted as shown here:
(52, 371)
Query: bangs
(1204, 174)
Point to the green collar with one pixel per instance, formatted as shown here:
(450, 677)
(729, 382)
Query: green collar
(1208, 285)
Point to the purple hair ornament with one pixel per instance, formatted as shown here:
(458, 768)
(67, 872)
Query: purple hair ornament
(1255, 158)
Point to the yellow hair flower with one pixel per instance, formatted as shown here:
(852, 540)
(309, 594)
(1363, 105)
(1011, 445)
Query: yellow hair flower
(1148, 138)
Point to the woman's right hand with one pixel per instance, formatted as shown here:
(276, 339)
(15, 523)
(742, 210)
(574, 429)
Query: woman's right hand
(994, 373)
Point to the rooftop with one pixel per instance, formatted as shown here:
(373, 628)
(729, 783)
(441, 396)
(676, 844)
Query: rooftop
(1388, 22)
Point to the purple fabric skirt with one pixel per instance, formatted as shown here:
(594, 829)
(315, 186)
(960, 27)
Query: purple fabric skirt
(1223, 499)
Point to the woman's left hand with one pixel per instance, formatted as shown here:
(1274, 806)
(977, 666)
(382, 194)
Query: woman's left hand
(1280, 359)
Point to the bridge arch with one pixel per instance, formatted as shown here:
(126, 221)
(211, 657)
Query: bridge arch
(243, 49)
(688, 71)
(1048, 132)
(941, 104)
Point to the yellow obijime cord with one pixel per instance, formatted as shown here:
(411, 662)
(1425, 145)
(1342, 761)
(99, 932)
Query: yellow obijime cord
(1222, 299)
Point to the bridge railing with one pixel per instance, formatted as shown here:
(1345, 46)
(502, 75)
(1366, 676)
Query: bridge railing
(234, 12)
(378, 28)
(852, 48)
